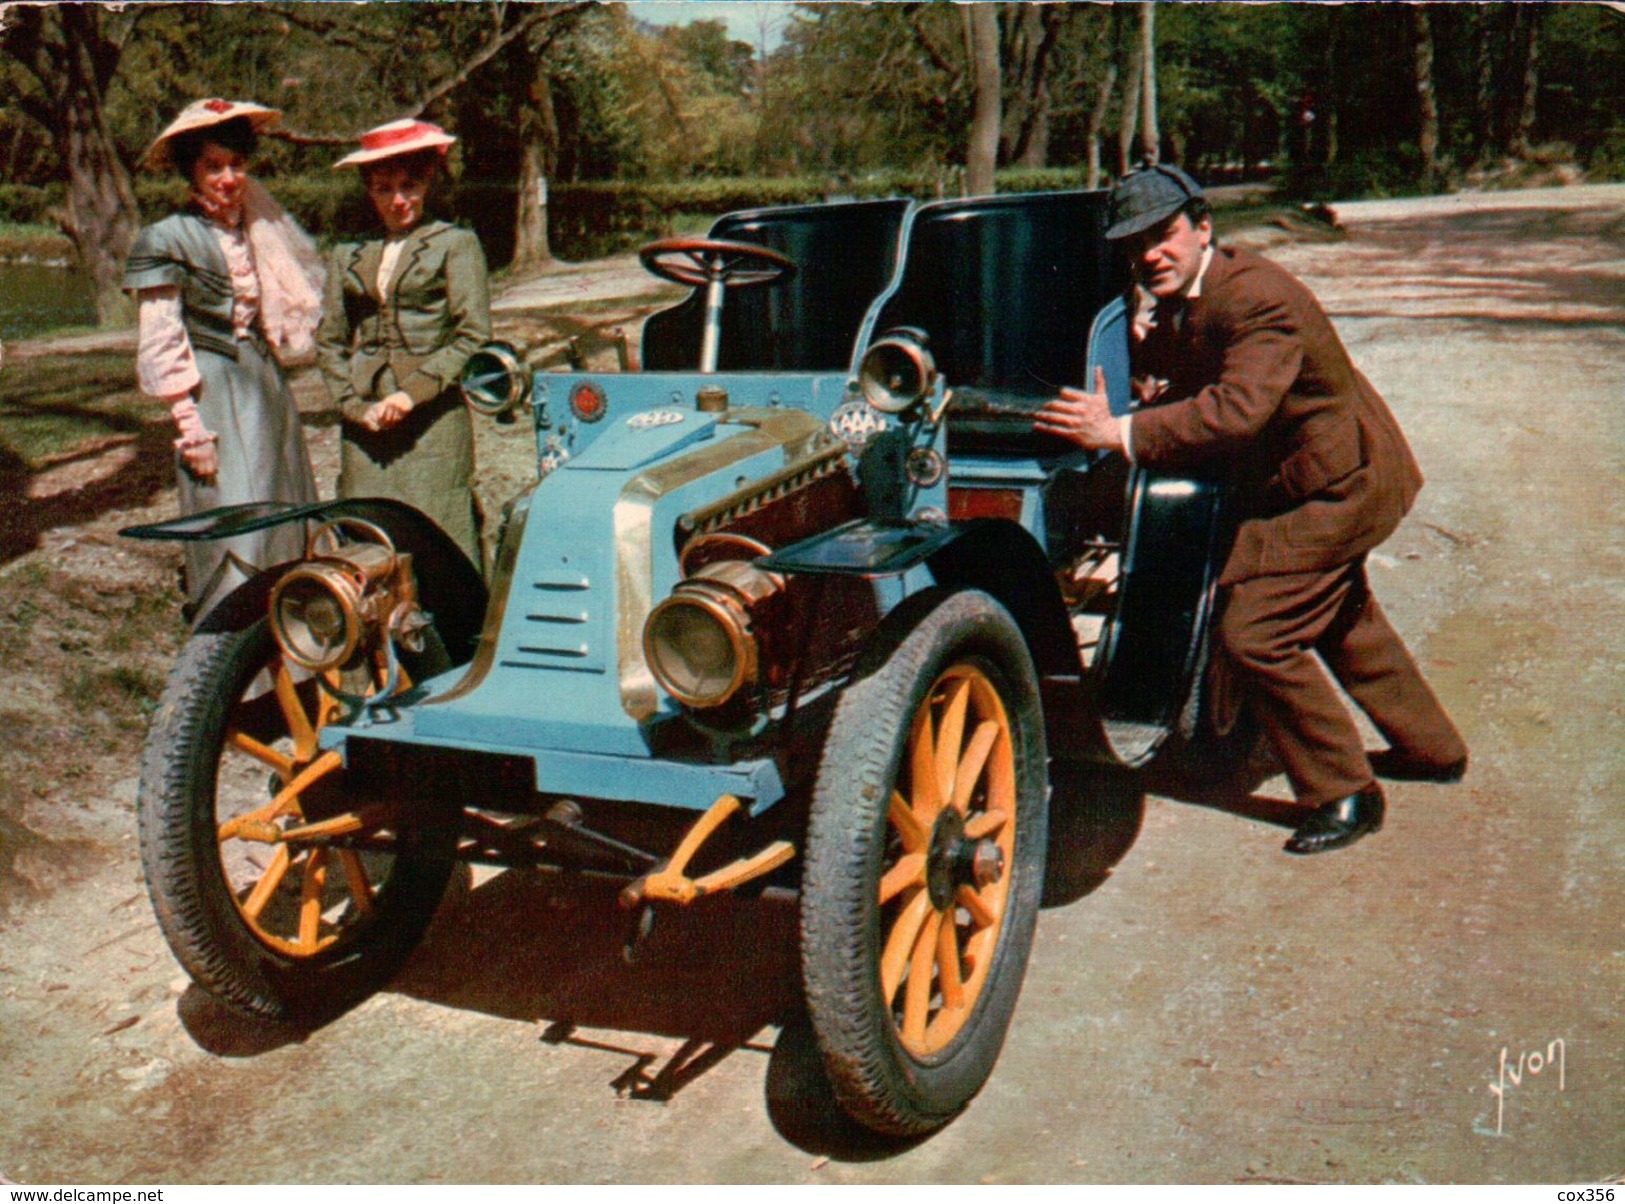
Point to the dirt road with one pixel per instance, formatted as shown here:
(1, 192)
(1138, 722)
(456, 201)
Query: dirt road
(1440, 1004)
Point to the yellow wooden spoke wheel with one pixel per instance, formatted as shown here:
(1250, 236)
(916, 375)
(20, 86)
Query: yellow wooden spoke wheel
(949, 849)
(925, 853)
(300, 871)
(279, 892)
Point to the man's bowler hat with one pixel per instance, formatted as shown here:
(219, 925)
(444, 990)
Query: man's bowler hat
(1147, 196)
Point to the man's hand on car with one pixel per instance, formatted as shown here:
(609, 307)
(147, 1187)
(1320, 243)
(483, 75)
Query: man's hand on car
(1082, 417)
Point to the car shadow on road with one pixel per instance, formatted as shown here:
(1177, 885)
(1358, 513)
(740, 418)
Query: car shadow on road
(1095, 813)
(552, 948)
(556, 950)
(227, 1033)
(1235, 794)
(665, 1007)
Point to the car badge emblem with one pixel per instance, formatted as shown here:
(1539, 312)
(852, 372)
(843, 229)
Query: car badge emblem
(663, 416)
(855, 422)
(587, 402)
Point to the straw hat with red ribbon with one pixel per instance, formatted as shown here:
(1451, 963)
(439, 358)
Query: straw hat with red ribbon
(397, 138)
(201, 114)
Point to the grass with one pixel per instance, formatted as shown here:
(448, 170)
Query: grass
(89, 648)
(54, 405)
(20, 607)
(70, 331)
(122, 696)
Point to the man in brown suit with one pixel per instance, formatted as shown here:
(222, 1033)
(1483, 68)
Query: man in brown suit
(1234, 361)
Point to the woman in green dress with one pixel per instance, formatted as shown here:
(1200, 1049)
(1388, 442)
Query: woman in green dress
(225, 290)
(402, 314)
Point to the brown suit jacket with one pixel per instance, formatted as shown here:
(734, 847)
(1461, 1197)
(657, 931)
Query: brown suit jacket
(1260, 384)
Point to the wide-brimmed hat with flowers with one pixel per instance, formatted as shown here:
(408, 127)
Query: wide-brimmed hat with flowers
(201, 114)
(397, 138)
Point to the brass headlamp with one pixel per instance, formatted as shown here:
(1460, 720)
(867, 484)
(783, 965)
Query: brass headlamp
(352, 587)
(701, 643)
(496, 380)
(897, 372)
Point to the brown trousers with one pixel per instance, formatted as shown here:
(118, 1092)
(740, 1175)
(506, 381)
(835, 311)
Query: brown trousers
(1273, 627)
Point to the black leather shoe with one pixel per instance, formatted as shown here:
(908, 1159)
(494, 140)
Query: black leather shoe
(1339, 823)
(1397, 765)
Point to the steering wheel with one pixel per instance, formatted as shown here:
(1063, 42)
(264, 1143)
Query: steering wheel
(715, 265)
(700, 262)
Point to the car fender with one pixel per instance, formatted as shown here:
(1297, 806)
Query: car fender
(1001, 558)
(450, 587)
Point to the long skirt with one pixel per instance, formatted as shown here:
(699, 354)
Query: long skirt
(262, 459)
(426, 461)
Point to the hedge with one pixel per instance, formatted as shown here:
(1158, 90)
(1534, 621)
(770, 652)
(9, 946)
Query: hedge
(593, 219)
(585, 221)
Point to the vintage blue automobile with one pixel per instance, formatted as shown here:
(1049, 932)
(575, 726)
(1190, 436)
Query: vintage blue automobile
(802, 605)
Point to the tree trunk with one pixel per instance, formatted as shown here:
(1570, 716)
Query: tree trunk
(1150, 137)
(763, 81)
(1097, 122)
(538, 140)
(1036, 152)
(1529, 18)
(1334, 82)
(101, 216)
(1486, 138)
(1031, 34)
(530, 245)
(1128, 118)
(1428, 130)
(982, 36)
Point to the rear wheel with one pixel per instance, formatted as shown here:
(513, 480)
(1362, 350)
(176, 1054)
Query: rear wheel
(278, 893)
(925, 862)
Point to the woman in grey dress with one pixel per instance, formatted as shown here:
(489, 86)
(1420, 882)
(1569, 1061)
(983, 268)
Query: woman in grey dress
(225, 289)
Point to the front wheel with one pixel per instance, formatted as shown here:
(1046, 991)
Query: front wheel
(925, 862)
(279, 895)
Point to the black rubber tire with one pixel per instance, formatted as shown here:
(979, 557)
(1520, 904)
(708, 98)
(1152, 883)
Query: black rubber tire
(881, 1084)
(189, 887)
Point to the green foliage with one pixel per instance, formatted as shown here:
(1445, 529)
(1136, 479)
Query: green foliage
(589, 220)
(856, 93)
(863, 88)
(331, 206)
(1608, 160)
(1582, 99)
(708, 50)
(1373, 172)
(30, 204)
